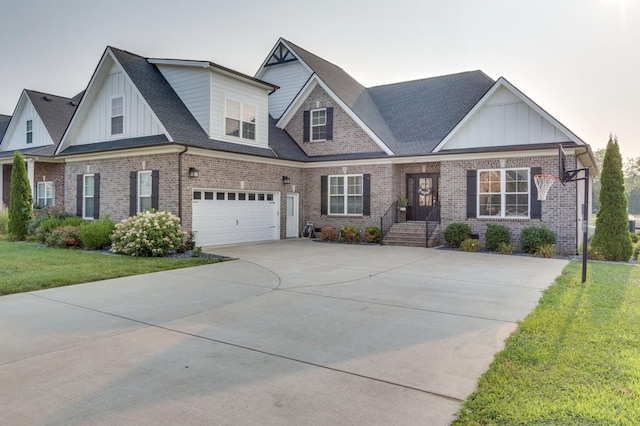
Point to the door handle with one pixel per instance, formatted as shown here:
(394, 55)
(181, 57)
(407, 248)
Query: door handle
(237, 222)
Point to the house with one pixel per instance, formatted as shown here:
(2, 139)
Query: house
(243, 159)
(35, 129)
(463, 145)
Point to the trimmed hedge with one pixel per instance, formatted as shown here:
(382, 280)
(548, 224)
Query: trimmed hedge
(456, 233)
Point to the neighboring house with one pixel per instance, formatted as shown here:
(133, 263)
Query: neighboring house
(244, 159)
(35, 129)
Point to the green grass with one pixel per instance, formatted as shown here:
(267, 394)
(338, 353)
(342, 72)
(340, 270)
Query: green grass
(575, 360)
(28, 267)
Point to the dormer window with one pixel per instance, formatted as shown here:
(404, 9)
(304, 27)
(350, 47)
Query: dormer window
(117, 115)
(29, 131)
(318, 125)
(240, 120)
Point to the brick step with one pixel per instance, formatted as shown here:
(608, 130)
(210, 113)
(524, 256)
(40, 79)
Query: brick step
(411, 234)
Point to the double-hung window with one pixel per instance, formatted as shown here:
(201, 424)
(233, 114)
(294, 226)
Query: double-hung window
(319, 124)
(44, 196)
(29, 131)
(345, 195)
(117, 115)
(88, 196)
(144, 190)
(503, 193)
(240, 120)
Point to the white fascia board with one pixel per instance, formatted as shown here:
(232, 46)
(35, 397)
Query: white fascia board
(502, 82)
(304, 93)
(179, 62)
(94, 84)
(214, 68)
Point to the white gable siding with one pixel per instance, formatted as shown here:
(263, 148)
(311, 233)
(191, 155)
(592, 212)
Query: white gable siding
(222, 88)
(290, 77)
(138, 118)
(505, 120)
(193, 87)
(16, 136)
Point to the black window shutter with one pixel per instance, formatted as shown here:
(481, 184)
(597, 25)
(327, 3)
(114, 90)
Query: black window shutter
(366, 195)
(329, 134)
(306, 126)
(472, 192)
(155, 185)
(536, 205)
(96, 195)
(133, 193)
(324, 194)
(79, 195)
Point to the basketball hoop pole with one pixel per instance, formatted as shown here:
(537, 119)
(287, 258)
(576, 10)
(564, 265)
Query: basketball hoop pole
(570, 176)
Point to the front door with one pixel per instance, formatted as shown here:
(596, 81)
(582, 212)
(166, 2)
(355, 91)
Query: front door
(292, 221)
(422, 192)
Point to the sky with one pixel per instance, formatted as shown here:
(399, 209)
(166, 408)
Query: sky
(577, 59)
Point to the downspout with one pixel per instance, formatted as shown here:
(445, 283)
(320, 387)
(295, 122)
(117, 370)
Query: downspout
(186, 148)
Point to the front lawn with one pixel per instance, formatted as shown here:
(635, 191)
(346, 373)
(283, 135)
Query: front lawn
(28, 266)
(575, 360)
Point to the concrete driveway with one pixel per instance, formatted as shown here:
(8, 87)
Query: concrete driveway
(295, 332)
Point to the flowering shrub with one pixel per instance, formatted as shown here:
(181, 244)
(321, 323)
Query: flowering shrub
(148, 234)
(63, 237)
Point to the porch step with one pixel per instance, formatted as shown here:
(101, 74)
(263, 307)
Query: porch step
(412, 234)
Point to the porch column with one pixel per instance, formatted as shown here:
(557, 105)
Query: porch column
(1, 181)
(31, 176)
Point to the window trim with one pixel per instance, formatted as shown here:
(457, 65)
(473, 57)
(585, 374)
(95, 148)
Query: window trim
(45, 198)
(241, 123)
(85, 197)
(312, 126)
(139, 195)
(503, 193)
(116, 116)
(345, 195)
(29, 134)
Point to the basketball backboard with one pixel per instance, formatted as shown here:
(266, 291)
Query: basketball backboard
(562, 165)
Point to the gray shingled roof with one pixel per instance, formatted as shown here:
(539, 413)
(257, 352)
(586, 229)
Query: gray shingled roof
(421, 113)
(179, 122)
(4, 123)
(412, 117)
(55, 112)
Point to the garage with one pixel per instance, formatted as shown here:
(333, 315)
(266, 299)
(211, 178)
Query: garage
(232, 217)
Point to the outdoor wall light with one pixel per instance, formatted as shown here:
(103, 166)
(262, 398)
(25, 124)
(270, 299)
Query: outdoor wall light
(193, 172)
(286, 180)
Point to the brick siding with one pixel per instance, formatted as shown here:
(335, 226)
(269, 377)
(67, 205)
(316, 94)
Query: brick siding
(558, 212)
(348, 137)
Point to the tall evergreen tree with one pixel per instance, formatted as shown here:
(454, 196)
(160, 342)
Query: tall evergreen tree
(612, 227)
(21, 200)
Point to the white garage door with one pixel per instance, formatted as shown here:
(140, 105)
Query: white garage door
(231, 217)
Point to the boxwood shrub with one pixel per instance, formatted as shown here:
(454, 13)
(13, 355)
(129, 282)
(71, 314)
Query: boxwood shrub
(496, 234)
(534, 237)
(456, 233)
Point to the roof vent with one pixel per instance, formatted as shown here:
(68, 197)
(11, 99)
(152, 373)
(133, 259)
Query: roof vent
(46, 99)
(73, 103)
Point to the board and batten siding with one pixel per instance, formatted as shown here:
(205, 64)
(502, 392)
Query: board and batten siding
(193, 87)
(16, 137)
(505, 120)
(138, 119)
(222, 88)
(290, 77)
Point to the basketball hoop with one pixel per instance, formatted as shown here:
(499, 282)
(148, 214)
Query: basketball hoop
(544, 183)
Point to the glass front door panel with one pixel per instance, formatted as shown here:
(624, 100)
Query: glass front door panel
(425, 189)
